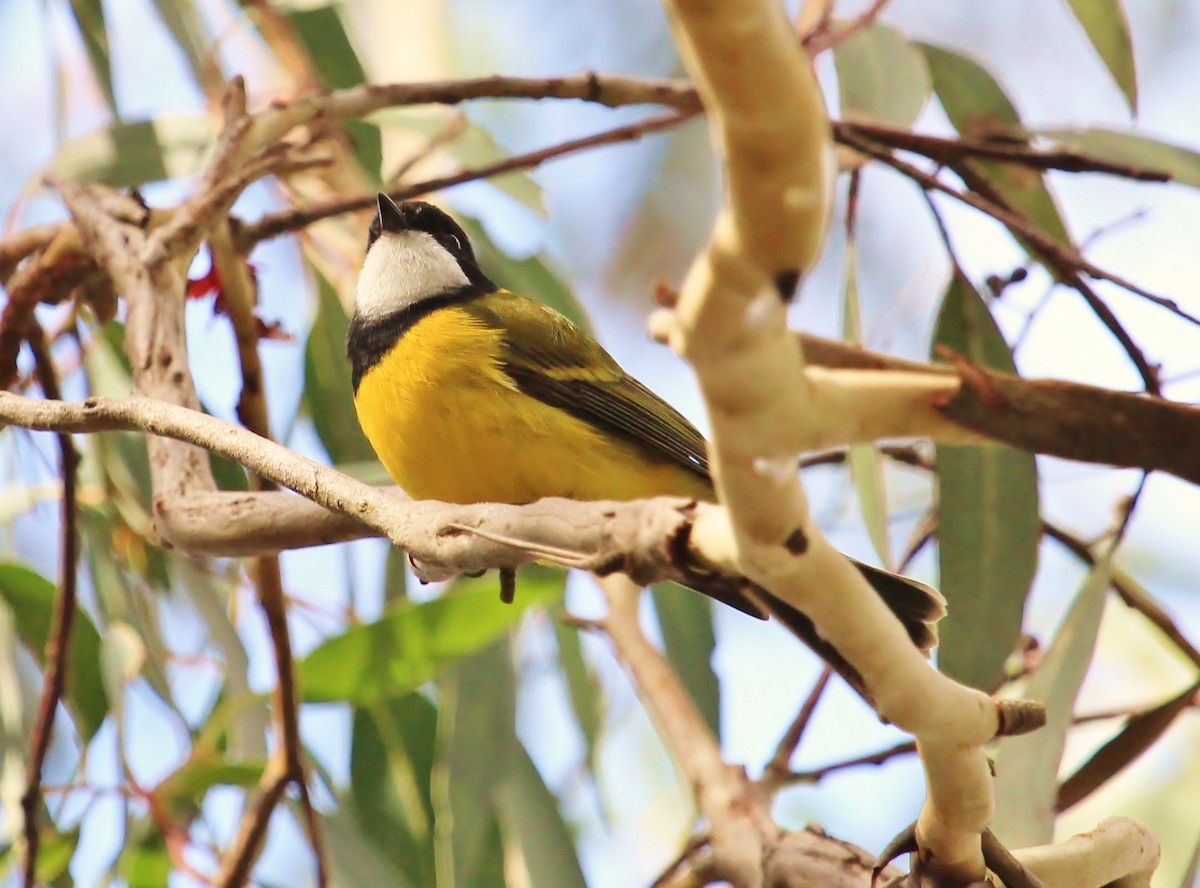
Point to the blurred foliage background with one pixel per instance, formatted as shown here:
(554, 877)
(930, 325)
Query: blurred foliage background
(501, 745)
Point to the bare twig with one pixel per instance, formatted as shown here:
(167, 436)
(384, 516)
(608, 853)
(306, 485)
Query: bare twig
(58, 640)
(779, 767)
(1064, 262)
(274, 224)
(876, 758)
(826, 37)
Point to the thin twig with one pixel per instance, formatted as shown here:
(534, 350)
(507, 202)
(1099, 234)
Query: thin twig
(825, 37)
(778, 768)
(247, 235)
(240, 299)
(1065, 263)
(59, 638)
(876, 758)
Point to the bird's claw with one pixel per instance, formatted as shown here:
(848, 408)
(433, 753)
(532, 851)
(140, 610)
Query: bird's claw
(998, 859)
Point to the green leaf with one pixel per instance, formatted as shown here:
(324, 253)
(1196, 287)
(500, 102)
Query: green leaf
(979, 109)
(391, 767)
(249, 717)
(1027, 766)
(685, 618)
(1115, 146)
(200, 774)
(89, 18)
(146, 863)
(864, 460)
(404, 649)
(328, 392)
(32, 599)
(55, 851)
(476, 147)
(530, 819)
(121, 657)
(477, 713)
(186, 25)
(990, 528)
(353, 860)
(1139, 734)
(882, 77)
(1108, 30)
(584, 689)
(124, 155)
(321, 31)
(530, 276)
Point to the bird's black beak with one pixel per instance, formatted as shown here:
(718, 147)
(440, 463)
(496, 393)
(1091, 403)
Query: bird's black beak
(390, 217)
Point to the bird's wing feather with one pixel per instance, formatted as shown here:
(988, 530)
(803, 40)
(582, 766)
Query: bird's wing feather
(553, 360)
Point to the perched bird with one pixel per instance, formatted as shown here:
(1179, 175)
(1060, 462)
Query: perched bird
(469, 393)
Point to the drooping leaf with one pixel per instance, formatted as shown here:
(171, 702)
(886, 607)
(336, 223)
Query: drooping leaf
(321, 31)
(1138, 734)
(145, 861)
(882, 77)
(354, 860)
(1181, 164)
(584, 689)
(530, 276)
(864, 459)
(1107, 28)
(328, 393)
(404, 649)
(89, 18)
(1027, 766)
(989, 526)
(124, 155)
(530, 818)
(472, 145)
(391, 768)
(246, 732)
(32, 598)
(687, 629)
(187, 27)
(979, 109)
(477, 744)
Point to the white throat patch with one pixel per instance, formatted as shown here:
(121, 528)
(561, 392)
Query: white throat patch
(403, 268)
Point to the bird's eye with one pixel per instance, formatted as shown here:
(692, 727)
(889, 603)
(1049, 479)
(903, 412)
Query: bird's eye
(457, 243)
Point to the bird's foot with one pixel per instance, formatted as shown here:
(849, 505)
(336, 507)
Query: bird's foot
(998, 859)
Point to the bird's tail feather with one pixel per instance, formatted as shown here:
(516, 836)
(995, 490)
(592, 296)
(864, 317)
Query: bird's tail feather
(916, 605)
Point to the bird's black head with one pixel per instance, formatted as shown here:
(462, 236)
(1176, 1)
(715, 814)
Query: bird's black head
(416, 215)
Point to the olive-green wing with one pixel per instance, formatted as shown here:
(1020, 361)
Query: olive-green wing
(553, 360)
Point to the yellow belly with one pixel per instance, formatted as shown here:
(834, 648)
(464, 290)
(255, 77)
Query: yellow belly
(448, 424)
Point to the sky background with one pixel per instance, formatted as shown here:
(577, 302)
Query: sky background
(616, 220)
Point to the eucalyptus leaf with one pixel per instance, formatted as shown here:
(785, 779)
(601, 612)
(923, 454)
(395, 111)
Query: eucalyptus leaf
(391, 768)
(32, 598)
(478, 746)
(584, 690)
(979, 108)
(323, 34)
(124, 155)
(1027, 766)
(1115, 146)
(328, 392)
(864, 460)
(989, 528)
(405, 648)
(530, 818)
(89, 18)
(1107, 28)
(686, 621)
(530, 276)
(882, 77)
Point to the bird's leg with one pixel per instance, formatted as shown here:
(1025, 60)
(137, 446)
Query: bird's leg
(508, 584)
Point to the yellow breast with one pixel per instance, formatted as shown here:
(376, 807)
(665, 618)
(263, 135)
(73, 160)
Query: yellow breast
(449, 424)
